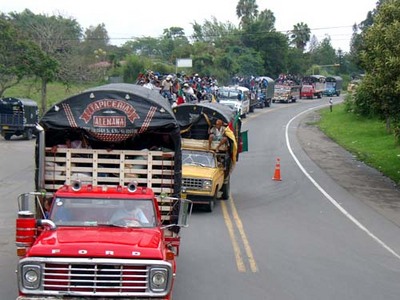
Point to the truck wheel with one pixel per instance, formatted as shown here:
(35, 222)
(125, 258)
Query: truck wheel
(28, 134)
(211, 204)
(8, 136)
(226, 190)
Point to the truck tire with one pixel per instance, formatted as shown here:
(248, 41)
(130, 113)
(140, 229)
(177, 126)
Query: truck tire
(211, 204)
(226, 188)
(28, 134)
(7, 136)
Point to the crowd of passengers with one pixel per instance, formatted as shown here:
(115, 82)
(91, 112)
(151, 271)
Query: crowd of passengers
(180, 88)
(183, 88)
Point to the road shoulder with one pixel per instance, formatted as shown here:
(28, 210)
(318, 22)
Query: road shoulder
(362, 181)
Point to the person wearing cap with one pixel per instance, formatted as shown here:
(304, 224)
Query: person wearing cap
(189, 92)
(217, 133)
(166, 88)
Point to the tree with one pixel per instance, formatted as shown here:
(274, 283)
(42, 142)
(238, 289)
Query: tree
(255, 30)
(247, 11)
(381, 61)
(172, 44)
(146, 46)
(96, 37)
(19, 56)
(300, 35)
(296, 62)
(11, 70)
(213, 31)
(58, 38)
(324, 53)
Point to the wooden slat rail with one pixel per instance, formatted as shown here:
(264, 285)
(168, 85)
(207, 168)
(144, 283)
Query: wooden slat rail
(153, 169)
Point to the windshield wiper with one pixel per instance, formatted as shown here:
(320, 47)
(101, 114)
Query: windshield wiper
(111, 225)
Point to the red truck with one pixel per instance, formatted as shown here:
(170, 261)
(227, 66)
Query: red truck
(313, 85)
(104, 220)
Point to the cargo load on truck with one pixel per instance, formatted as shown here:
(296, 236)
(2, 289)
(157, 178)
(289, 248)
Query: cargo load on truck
(206, 168)
(108, 187)
(112, 123)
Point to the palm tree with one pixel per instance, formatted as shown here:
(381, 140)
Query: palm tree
(300, 35)
(246, 10)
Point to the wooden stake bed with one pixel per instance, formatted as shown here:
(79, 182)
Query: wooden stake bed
(152, 169)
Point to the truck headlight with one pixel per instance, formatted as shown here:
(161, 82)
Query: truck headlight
(207, 184)
(31, 276)
(158, 279)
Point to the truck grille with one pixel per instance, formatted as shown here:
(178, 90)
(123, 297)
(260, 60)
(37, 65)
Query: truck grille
(192, 183)
(97, 277)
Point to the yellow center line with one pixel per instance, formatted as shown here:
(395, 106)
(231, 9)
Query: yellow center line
(239, 225)
(238, 256)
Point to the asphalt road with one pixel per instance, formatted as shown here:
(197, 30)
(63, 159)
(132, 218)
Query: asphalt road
(322, 232)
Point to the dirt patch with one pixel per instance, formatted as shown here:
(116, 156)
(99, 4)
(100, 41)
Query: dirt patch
(364, 182)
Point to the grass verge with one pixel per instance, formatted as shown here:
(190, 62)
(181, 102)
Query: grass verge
(55, 91)
(366, 138)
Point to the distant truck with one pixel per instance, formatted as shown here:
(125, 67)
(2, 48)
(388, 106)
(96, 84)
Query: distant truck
(333, 86)
(237, 98)
(312, 86)
(265, 91)
(206, 172)
(286, 91)
(76, 235)
(18, 116)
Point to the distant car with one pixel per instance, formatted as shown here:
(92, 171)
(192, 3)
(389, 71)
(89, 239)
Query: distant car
(18, 117)
(236, 97)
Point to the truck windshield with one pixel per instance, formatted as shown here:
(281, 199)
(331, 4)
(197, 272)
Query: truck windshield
(103, 212)
(198, 158)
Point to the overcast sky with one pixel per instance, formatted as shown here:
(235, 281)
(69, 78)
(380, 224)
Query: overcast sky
(125, 19)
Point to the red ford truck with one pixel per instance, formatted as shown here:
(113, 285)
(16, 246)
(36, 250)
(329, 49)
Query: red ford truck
(104, 220)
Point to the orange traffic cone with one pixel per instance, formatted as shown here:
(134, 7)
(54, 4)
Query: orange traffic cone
(277, 173)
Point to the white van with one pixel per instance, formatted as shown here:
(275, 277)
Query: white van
(236, 97)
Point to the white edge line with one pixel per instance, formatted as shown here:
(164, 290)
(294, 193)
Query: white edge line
(331, 199)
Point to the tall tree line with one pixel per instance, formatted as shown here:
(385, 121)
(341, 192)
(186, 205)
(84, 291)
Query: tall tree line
(61, 50)
(376, 49)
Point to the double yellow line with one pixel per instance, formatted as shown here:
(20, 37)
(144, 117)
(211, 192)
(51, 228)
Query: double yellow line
(232, 222)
